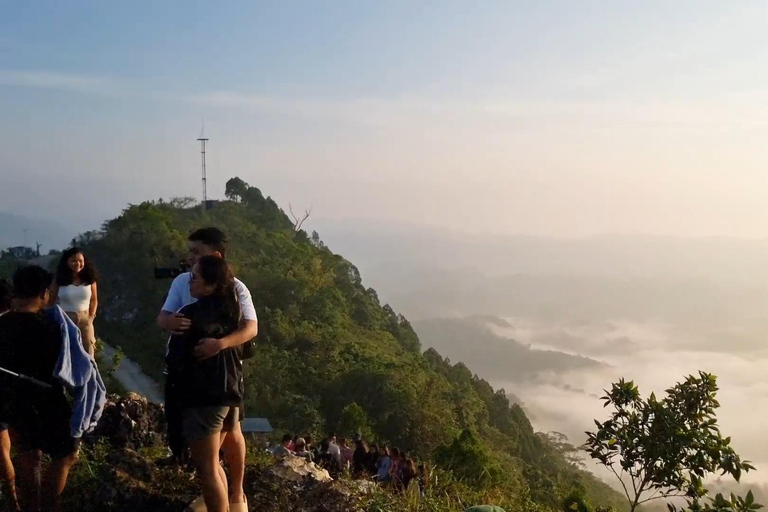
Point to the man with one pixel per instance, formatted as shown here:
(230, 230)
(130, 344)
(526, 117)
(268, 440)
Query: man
(283, 450)
(334, 450)
(207, 242)
(7, 473)
(37, 414)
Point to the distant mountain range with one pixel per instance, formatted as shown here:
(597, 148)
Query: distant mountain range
(49, 233)
(495, 357)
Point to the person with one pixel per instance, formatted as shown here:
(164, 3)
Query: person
(334, 450)
(312, 448)
(76, 291)
(326, 460)
(7, 473)
(284, 448)
(384, 465)
(301, 450)
(346, 454)
(207, 242)
(359, 458)
(372, 461)
(213, 385)
(38, 414)
(408, 473)
(394, 470)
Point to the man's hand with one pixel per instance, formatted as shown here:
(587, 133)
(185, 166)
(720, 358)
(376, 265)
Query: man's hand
(177, 323)
(207, 348)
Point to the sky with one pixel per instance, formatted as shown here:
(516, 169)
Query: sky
(553, 118)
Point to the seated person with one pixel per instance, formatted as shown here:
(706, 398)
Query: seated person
(37, 414)
(283, 450)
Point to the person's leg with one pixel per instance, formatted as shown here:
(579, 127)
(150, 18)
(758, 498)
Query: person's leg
(29, 478)
(86, 330)
(174, 418)
(55, 479)
(205, 454)
(222, 473)
(7, 473)
(233, 446)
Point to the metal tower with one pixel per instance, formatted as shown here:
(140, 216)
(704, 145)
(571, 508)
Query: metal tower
(203, 140)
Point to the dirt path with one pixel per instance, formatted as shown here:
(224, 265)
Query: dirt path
(131, 376)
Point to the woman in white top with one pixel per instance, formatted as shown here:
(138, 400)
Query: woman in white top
(76, 292)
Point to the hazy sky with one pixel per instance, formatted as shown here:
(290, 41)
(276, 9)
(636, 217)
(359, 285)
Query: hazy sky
(559, 118)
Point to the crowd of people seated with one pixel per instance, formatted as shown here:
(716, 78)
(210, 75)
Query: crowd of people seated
(391, 467)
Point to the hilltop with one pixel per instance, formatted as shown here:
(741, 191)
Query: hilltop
(330, 356)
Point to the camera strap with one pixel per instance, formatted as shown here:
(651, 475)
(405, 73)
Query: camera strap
(25, 378)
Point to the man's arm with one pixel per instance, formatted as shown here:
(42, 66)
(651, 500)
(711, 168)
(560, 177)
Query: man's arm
(169, 319)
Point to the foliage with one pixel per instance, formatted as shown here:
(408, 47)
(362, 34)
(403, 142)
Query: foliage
(330, 356)
(664, 448)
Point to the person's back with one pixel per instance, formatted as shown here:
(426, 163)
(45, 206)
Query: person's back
(213, 381)
(38, 414)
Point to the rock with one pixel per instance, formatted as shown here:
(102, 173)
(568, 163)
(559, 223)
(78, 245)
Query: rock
(299, 469)
(132, 422)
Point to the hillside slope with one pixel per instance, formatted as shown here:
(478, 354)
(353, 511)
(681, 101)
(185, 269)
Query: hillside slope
(330, 357)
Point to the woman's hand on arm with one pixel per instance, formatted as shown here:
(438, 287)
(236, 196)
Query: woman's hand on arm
(209, 347)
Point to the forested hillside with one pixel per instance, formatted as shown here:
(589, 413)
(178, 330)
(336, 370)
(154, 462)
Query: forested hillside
(330, 356)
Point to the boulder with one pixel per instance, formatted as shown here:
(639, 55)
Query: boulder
(299, 469)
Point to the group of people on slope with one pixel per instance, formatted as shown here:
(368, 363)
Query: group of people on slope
(393, 467)
(51, 392)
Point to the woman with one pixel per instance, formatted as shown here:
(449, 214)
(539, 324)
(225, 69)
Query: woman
(359, 458)
(408, 473)
(384, 465)
(213, 386)
(372, 461)
(76, 292)
(346, 454)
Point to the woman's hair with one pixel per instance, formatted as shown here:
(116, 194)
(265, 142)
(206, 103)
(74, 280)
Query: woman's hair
(324, 446)
(64, 277)
(384, 451)
(216, 272)
(410, 466)
(395, 452)
(5, 295)
(374, 448)
(360, 445)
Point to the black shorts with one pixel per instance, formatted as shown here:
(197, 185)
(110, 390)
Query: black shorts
(45, 428)
(52, 440)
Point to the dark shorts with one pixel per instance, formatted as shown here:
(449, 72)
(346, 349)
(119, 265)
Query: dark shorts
(200, 422)
(54, 440)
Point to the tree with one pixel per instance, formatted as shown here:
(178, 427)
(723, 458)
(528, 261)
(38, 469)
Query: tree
(235, 189)
(664, 448)
(354, 420)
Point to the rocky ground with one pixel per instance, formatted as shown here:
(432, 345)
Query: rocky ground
(118, 472)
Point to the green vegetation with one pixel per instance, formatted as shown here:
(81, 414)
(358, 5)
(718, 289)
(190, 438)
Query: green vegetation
(330, 356)
(665, 448)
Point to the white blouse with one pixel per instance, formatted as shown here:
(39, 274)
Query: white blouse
(75, 298)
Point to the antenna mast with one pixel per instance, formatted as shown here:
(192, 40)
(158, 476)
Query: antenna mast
(203, 140)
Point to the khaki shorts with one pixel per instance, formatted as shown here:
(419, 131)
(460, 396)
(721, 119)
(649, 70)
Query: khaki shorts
(85, 324)
(200, 422)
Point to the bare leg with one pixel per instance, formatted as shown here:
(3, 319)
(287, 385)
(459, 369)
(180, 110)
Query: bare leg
(233, 446)
(205, 453)
(55, 480)
(222, 473)
(6, 469)
(29, 478)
